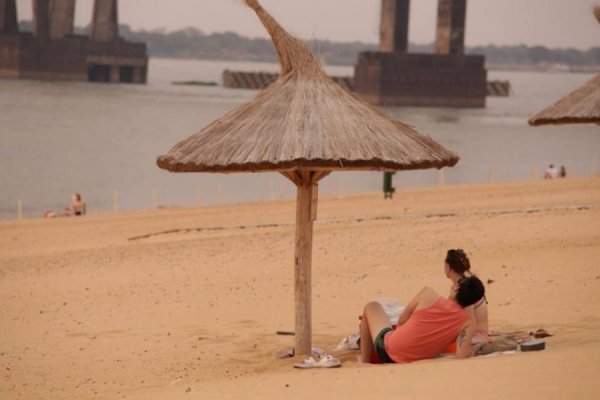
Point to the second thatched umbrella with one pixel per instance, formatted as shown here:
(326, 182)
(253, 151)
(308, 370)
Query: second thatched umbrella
(304, 126)
(582, 106)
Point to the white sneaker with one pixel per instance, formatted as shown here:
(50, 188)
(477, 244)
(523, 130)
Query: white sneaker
(326, 361)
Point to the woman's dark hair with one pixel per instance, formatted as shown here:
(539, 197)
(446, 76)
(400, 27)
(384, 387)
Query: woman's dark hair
(458, 261)
(470, 291)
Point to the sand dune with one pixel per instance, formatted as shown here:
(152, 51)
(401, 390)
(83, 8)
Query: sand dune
(184, 303)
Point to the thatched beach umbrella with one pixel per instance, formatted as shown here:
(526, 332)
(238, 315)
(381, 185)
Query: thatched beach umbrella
(579, 107)
(304, 126)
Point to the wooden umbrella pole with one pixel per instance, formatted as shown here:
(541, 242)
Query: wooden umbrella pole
(306, 186)
(302, 264)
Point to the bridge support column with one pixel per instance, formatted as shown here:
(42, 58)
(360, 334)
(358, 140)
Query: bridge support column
(105, 22)
(8, 16)
(450, 35)
(41, 18)
(62, 18)
(139, 75)
(393, 34)
(115, 75)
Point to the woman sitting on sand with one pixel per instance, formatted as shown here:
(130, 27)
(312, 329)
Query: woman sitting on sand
(457, 268)
(76, 208)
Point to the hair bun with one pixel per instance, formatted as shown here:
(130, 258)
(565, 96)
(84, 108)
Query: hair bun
(458, 261)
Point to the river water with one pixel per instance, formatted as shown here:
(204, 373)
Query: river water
(57, 138)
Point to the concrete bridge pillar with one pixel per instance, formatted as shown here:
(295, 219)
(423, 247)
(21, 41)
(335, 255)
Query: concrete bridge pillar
(105, 22)
(393, 34)
(139, 75)
(8, 16)
(62, 18)
(41, 18)
(115, 76)
(450, 35)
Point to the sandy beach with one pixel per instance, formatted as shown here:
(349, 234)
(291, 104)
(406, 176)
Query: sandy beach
(185, 303)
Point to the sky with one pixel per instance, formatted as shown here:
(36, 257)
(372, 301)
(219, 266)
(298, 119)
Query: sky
(550, 23)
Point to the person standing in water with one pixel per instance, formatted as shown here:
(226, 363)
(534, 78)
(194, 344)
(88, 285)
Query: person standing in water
(563, 172)
(551, 172)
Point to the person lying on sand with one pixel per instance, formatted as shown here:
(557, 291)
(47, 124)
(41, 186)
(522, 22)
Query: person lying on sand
(457, 267)
(427, 326)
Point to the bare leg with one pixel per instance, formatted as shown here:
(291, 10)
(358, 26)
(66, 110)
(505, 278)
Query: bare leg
(373, 321)
(366, 341)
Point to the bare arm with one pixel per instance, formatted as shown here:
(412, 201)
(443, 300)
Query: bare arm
(423, 299)
(464, 348)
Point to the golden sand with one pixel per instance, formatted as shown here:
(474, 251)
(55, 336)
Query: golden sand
(87, 313)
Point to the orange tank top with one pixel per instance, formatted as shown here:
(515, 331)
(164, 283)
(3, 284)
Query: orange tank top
(427, 332)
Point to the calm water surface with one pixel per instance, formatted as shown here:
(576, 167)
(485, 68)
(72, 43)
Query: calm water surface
(58, 138)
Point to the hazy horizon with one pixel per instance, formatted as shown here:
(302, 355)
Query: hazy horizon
(550, 23)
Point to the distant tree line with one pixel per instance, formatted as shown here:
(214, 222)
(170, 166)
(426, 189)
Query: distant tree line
(518, 55)
(195, 44)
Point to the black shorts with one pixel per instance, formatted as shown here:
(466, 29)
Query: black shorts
(379, 344)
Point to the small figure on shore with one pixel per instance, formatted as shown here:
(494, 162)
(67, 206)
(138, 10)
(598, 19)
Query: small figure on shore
(551, 172)
(388, 188)
(563, 172)
(75, 208)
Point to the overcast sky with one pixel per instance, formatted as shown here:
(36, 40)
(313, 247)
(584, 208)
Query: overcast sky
(552, 23)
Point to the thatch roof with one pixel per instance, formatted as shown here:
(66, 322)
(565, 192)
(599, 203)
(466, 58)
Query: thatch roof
(580, 107)
(303, 121)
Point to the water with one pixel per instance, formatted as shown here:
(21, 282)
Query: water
(58, 138)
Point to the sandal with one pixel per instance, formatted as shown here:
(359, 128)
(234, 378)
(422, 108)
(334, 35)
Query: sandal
(326, 361)
(308, 363)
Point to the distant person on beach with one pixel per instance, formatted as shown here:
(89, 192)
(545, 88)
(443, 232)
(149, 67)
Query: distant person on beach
(457, 268)
(551, 172)
(75, 208)
(427, 326)
(563, 172)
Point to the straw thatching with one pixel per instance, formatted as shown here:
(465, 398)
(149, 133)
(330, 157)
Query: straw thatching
(579, 107)
(303, 121)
